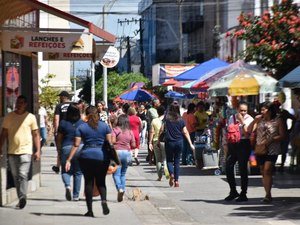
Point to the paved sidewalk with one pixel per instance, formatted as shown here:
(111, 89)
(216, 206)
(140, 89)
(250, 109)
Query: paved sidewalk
(198, 200)
(48, 205)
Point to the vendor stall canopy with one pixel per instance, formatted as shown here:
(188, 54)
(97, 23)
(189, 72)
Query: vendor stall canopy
(11, 9)
(202, 69)
(292, 79)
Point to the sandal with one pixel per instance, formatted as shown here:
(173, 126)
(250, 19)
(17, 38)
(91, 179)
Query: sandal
(171, 181)
(267, 199)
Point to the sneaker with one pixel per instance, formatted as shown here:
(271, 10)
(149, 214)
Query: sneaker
(68, 194)
(89, 214)
(176, 184)
(120, 195)
(55, 169)
(231, 196)
(76, 199)
(242, 198)
(105, 208)
(22, 203)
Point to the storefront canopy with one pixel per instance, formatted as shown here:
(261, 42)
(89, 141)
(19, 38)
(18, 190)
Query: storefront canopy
(14, 8)
(200, 70)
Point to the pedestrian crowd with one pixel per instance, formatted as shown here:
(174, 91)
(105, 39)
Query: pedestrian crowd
(92, 139)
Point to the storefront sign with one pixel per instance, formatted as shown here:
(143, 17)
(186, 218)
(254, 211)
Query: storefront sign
(110, 58)
(99, 52)
(47, 42)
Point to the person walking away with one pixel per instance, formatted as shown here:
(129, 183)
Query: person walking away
(60, 113)
(154, 145)
(175, 132)
(238, 151)
(93, 158)
(123, 140)
(21, 131)
(64, 140)
(136, 126)
(191, 125)
(151, 114)
(43, 125)
(270, 132)
(142, 113)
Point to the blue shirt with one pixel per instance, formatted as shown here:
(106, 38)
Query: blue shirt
(68, 129)
(93, 140)
(174, 130)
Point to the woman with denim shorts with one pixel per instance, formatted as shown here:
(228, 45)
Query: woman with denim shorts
(269, 131)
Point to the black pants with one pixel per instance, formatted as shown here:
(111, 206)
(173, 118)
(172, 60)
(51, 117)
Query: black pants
(93, 170)
(238, 152)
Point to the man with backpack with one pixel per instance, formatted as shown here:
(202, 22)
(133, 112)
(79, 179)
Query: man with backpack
(239, 150)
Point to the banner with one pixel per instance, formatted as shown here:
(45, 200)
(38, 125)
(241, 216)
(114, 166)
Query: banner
(47, 42)
(98, 54)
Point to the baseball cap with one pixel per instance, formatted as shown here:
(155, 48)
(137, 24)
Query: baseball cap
(64, 93)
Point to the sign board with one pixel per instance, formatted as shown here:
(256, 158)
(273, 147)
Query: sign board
(99, 52)
(47, 42)
(110, 58)
(163, 72)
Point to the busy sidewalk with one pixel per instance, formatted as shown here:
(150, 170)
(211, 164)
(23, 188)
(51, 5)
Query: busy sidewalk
(198, 200)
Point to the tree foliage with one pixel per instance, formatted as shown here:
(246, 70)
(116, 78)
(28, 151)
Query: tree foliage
(273, 39)
(117, 84)
(48, 95)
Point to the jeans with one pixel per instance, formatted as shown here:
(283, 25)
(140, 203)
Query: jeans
(75, 170)
(173, 152)
(187, 154)
(20, 166)
(160, 156)
(43, 131)
(238, 152)
(119, 175)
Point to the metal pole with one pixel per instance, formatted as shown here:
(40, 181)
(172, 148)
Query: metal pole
(105, 85)
(74, 81)
(180, 32)
(92, 83)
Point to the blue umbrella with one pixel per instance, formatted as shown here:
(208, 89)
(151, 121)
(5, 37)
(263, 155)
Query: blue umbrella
(174, 94)
(138, 95)
(292, 79)
(200, 70)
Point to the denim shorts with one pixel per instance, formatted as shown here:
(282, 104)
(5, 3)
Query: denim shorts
(264, 158)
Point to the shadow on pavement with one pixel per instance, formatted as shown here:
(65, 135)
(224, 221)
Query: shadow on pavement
(281, 208)
(58, 214)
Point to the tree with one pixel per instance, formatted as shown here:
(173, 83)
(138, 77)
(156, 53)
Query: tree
(48, 95)
(117, 84)
(273, 39)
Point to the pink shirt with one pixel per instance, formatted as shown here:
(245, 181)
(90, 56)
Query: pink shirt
(124, 139)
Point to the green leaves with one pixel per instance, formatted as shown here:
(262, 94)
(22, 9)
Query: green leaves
(273, 39)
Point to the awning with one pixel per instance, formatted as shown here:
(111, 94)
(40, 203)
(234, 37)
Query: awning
(13, 8)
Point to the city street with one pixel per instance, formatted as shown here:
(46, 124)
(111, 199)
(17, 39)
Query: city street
(198, 200)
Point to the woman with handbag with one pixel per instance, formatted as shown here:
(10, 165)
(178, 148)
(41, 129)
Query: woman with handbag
(269, 133)
(123, 140)
(175, 133)
(94, 158)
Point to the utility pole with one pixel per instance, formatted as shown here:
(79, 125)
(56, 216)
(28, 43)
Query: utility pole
(180, 32)
(142, 68)
(128, 55)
